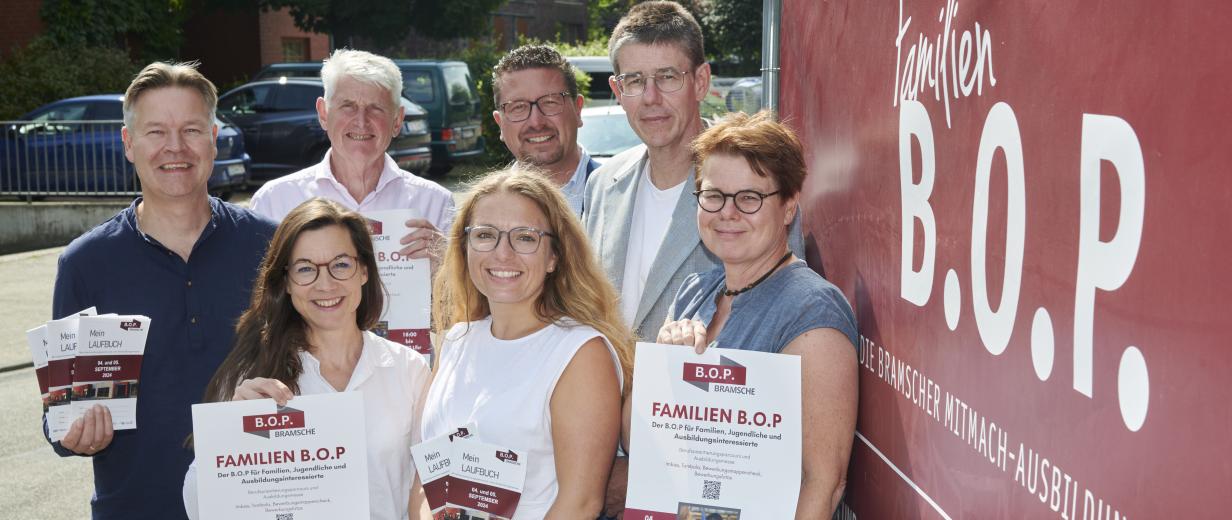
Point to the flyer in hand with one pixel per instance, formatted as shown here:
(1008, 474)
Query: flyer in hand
(714, 434)
(433, 458)
(61, 351)
(107, 367)
(405, 319)
(307, 460)
(36, 338)
(464, 477)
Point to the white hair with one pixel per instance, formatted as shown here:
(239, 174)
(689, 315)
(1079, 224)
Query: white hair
(364, 67)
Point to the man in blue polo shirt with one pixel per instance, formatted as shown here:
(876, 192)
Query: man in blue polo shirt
(182, 258)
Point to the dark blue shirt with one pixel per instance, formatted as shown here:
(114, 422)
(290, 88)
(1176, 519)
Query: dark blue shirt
(193, 307)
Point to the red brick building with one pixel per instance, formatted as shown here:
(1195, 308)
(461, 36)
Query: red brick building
(19, 23)
(232, 45)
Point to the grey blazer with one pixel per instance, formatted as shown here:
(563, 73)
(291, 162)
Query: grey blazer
(611, 192)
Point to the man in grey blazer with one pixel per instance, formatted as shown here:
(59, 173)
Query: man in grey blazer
(641, 214)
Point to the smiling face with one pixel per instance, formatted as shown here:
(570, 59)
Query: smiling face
(663, 119)
(738, 238)
(511, 281)
(544, 141)
(171, 143)
(326, 304)
(360, 119)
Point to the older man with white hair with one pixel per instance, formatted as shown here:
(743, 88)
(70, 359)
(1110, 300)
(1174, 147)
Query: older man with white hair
(361, 112)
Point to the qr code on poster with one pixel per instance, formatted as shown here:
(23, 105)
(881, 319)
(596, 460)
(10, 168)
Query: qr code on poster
(711, 489)
(285, 516)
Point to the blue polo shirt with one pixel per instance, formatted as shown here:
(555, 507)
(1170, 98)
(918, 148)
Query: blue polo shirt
(193, 307)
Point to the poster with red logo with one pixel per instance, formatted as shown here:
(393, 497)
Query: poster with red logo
(405, 319)
(307, 460)
(716, 433)
(107, 367)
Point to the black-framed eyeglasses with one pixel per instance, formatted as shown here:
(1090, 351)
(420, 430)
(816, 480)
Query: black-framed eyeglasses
(524, 240)
(747, 201)
(342, 268)
(634, 83)
(549, 105)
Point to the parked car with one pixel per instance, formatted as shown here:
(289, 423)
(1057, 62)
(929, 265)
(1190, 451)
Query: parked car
(599, 68)
(444, 88)
(745, 95)
(284, 135)
(73, 146)
(606, 132)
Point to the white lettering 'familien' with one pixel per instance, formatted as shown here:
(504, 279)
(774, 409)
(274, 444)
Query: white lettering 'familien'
(945, 64)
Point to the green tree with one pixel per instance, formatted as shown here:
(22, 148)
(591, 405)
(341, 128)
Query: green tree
(43, 72)
(147, 29)
(387, 22)
(733, 34)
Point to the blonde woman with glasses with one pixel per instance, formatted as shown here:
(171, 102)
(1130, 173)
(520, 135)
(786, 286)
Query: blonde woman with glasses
(535, 355)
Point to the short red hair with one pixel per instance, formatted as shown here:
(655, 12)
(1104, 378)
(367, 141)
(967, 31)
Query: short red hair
(770, 147)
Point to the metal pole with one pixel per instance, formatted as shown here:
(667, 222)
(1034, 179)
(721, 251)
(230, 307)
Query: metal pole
(770, 21)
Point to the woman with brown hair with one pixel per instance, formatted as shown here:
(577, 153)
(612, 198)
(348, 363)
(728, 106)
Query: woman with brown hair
(534, 354)
(750, 171)
(306, 332)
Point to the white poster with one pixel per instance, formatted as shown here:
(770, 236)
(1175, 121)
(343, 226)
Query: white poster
(713, 434)
(408, 306)
(307, 460)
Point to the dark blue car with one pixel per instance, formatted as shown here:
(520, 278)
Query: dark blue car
(73, 147)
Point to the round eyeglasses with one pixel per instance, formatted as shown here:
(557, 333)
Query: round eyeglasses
(524, 240)
(549, 105)
(747, 201)
(342, 268)
(634, 83)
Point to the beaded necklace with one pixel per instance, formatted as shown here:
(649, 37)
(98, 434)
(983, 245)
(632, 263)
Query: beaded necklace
(729, 292)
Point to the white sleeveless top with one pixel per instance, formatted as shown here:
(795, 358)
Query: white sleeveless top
(504, 388)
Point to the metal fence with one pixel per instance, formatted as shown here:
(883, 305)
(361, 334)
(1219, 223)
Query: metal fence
(46, 158)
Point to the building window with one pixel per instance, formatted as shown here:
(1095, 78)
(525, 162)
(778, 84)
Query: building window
(294, 49)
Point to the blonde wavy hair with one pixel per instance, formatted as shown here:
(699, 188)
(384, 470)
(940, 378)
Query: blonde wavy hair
(577, 289)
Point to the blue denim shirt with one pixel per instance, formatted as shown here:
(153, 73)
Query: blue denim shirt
(789, 303)
(193, 307)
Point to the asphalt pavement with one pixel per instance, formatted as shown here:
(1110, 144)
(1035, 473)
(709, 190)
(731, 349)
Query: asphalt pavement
(35, 483)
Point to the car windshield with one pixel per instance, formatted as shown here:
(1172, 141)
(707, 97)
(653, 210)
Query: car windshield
(417, 86)
(605, 135)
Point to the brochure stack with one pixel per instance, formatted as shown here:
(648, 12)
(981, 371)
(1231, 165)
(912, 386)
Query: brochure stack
(84, 360)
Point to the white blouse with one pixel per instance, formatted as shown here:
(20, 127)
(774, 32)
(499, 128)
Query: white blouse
(393, 380)
(504, 388)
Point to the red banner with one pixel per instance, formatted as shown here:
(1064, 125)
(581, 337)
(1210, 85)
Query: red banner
(1027, 205)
